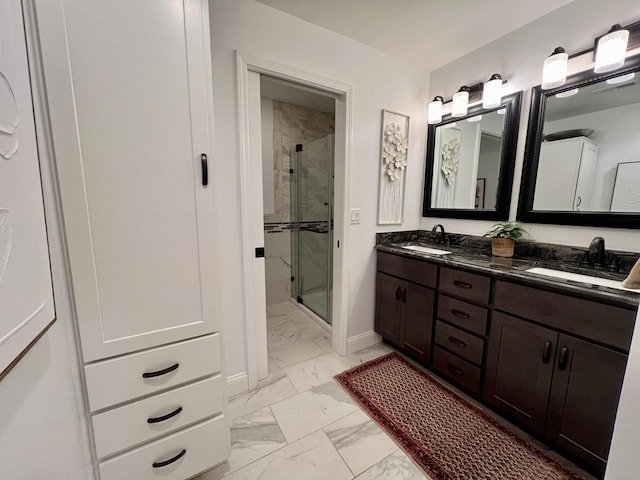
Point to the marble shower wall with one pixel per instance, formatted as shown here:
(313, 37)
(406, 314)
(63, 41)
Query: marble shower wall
(292, 125)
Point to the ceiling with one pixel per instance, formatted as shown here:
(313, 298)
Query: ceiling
(426, 33)
(295, 94)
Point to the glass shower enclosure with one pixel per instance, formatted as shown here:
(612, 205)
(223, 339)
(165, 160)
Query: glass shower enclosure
(311, 198)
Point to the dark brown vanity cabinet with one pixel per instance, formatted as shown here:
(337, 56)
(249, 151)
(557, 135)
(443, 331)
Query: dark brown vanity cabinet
(461, 327)
(541, 374)
(404, 304)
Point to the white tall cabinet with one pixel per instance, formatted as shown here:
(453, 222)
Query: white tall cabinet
(566, 170)
(129, 95)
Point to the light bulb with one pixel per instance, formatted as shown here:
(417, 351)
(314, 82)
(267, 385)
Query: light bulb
(554, 70)
(460, 102)
(611, 50)
(492, 92)
(434, 112)
(568, 93)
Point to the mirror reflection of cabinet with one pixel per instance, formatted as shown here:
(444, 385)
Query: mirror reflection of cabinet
(572, 161)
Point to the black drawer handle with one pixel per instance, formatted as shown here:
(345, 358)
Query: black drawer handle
(398, 293)
(546, 352)
(205, 169)
(457, 342)
(460, 314)
(461, 284)
(563, 358)
(159, 373)
(455, 369)
(164, 417)
(171, 460)
(404, 295)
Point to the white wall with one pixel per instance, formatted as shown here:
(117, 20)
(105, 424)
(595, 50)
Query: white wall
(378, 80)
(266, 115)
(518, 56)
(43, 433)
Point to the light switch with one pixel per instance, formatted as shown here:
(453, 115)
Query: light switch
(355, 215)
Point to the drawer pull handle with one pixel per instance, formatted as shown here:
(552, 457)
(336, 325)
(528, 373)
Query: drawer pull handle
(460, 284)
(398, 293)
(457, 342)
(164, 463)
(564, 357)
(159, 373)
(164, 417)
(460, 314)
(454, 369)
(546, 352)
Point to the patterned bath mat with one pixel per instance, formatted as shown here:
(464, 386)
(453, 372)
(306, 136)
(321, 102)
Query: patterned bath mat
(446, 436)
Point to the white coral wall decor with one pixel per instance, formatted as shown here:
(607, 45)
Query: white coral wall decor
(394, 151)
(449, 160)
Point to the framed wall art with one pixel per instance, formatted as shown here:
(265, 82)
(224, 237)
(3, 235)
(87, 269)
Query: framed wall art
(394, 149)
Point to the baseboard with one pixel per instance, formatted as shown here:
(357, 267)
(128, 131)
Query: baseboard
(363, 340)
(238, 383)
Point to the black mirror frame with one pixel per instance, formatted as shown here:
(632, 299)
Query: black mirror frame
(511, 103)
(532, 154)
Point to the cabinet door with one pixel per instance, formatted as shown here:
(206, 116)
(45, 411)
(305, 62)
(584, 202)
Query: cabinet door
(519, 369)
(128, 85)
(417, 320)
(584, 399)
(388, 294)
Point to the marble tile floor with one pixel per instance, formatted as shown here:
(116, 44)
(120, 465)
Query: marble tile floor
(299, 423)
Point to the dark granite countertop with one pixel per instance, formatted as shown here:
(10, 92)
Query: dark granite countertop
(474, 254)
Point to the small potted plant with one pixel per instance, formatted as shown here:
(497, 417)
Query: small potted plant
(503, 237)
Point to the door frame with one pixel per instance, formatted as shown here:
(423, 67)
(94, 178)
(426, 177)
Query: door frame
(251, 206)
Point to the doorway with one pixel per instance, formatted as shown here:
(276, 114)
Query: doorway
(250, 69)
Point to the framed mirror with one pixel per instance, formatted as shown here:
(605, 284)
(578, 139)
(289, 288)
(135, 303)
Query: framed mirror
(582, 156)
(470, 163)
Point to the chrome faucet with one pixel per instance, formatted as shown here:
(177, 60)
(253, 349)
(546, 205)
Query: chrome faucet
(440, 234)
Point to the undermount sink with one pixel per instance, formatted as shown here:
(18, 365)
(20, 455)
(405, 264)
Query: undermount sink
(421, 249)
(603, 282)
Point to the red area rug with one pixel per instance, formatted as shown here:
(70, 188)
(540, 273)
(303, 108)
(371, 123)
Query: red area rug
(445, 435)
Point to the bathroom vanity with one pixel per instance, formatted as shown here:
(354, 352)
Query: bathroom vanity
(549, 355)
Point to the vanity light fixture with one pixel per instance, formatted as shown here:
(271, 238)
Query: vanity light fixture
(501, 111)
(474, 119)
(434, 113)
(611, 49)
(554, 70)
(460, 102)
(492, 92)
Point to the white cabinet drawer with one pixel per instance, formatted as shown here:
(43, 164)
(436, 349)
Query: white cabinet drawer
(204, 445)
(124, 427)
(121, 379)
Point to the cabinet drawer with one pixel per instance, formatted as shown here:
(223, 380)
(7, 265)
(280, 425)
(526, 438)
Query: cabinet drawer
(463, 314)
(205, 445)
(121, 379)
(413, 270)
(125, 427)
(459, 371)
(461, 343)
(592, 320)
(466, 285)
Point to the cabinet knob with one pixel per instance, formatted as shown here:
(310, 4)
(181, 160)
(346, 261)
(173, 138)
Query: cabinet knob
(563, 358)
(460, 314)
(546, 352)
(205, 169)
(454, 369)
